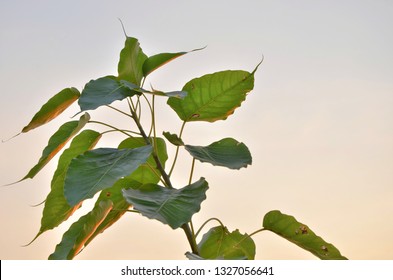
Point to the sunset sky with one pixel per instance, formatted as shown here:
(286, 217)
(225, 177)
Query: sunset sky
(319, 122)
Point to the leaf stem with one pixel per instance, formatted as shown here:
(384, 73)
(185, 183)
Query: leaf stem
(177, 149)
(128, 210)
(115, 130)
(257, 231)
(154, 154)
(190, 238)
(205, 223)
(120, 111)
(192, 170)
(185, 227)
(113, 127)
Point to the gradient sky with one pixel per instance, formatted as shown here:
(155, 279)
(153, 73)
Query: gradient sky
(319, 122)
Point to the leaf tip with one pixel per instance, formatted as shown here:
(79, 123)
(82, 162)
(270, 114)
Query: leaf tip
(6, 140)
(122, 26)
(34, 239)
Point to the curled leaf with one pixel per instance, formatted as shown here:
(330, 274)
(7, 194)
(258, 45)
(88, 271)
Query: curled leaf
(289, 228)
(227, 152)
(131, 62)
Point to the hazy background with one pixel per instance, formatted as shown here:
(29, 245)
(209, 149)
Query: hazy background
(319, 122)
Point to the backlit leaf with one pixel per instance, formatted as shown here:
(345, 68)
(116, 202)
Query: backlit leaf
(214, 96)
(120, 205)
(56, 209)
(174, 207)
(227, 152)
(75, 237)
(132, 58)
(289, 228)
(99, 169)
(158, 60)
(54, 107)
(104, 91)
(57, 142)
(219, 243)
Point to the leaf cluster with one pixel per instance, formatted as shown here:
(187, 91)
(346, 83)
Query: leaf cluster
(133, 176)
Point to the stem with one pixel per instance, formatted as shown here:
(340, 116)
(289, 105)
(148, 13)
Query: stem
(120, 111)
(205, 223)
(154, 154)
(185, 227)
(152, 115)
(192, 170)
(114, 128)
(257, 231)
(154, 124)
(177, 149)
(190, 238)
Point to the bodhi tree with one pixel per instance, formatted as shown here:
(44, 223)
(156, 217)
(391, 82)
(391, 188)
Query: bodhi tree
(135, 176)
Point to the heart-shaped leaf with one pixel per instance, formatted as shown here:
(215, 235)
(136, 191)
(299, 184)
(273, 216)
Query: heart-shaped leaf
(174, 207)
(56, 209)
(131, 62)
(74, 239)
(289, 228)
(54, 107)
(99, 169)
(219, 243)
(227, 152)
(104, 91)
(57, 142)
(214, 96)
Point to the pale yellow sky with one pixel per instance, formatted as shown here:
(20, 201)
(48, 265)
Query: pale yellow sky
(319, 122)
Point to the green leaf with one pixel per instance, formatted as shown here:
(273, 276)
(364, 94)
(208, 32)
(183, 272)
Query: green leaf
(219, 243)
(57, 142)
(74, 239)
(54, 107)
(104, 91)
(173, 139)
(99, 169)
(289, 228)
(56, 209)
(158, 60)
(174, 207)
(214, 96)
(145, 174)
(120, 205)
(227, 152)
(132, 58)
